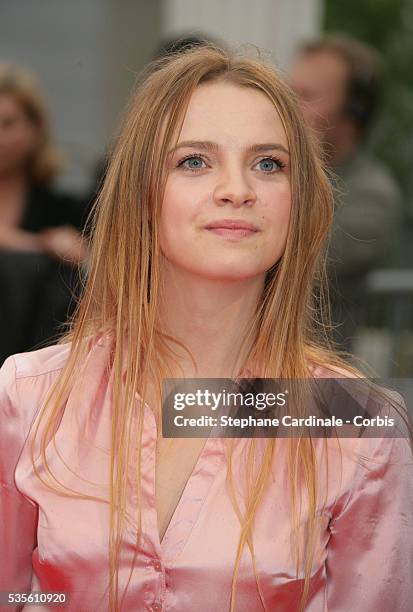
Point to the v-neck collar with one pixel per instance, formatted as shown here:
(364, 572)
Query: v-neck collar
(186, 513)
(193, 496)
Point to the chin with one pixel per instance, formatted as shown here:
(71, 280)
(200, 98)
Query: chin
(229, 273)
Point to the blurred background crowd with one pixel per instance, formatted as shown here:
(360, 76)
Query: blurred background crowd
(66, 70)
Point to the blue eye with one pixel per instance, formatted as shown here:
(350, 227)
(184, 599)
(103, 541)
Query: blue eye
(272, 165)
(190, 160)
(193, 163)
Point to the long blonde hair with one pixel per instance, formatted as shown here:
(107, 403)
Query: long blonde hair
(121, 291)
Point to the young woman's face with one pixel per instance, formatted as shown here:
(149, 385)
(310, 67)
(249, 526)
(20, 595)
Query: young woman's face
(18, 137)
(227, 201)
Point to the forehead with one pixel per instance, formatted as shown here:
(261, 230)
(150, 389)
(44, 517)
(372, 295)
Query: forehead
(9, 102)
(231, 115)
(320, 68)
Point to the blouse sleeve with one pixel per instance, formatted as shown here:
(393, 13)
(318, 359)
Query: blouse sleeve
(18, 515)
(370, 552)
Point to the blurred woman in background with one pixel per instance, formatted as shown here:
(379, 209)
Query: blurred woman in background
(34, 218)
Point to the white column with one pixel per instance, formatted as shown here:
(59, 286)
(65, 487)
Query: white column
(275, 26)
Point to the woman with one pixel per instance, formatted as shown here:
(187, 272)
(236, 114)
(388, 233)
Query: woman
(208, 236)
(29, 163)
(40, 229)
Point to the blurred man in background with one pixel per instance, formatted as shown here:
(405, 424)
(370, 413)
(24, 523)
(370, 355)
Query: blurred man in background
(337, 80)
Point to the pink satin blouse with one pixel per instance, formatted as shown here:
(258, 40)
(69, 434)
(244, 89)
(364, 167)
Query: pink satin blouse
(52, 543)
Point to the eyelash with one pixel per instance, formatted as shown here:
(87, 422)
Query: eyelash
(279, 163)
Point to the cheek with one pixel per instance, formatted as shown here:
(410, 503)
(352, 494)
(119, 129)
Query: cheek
(19, 142)
(276, 206)
(29, 140)
(330, 109)
(277, 213)
(178, 211)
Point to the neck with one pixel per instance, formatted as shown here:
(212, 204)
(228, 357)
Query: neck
(12, 186)
(212, 318)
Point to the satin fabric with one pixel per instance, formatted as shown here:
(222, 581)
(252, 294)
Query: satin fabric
(50, 542)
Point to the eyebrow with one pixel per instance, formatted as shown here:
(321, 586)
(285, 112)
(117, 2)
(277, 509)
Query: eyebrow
(207, 145)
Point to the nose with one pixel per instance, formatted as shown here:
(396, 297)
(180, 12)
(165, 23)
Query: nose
(233, 188)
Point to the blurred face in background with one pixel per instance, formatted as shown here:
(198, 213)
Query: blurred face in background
(320, 79)
(242, 177)
(18, 136)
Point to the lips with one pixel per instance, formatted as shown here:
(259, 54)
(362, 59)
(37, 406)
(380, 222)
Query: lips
(232, 229)
(232, 224)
